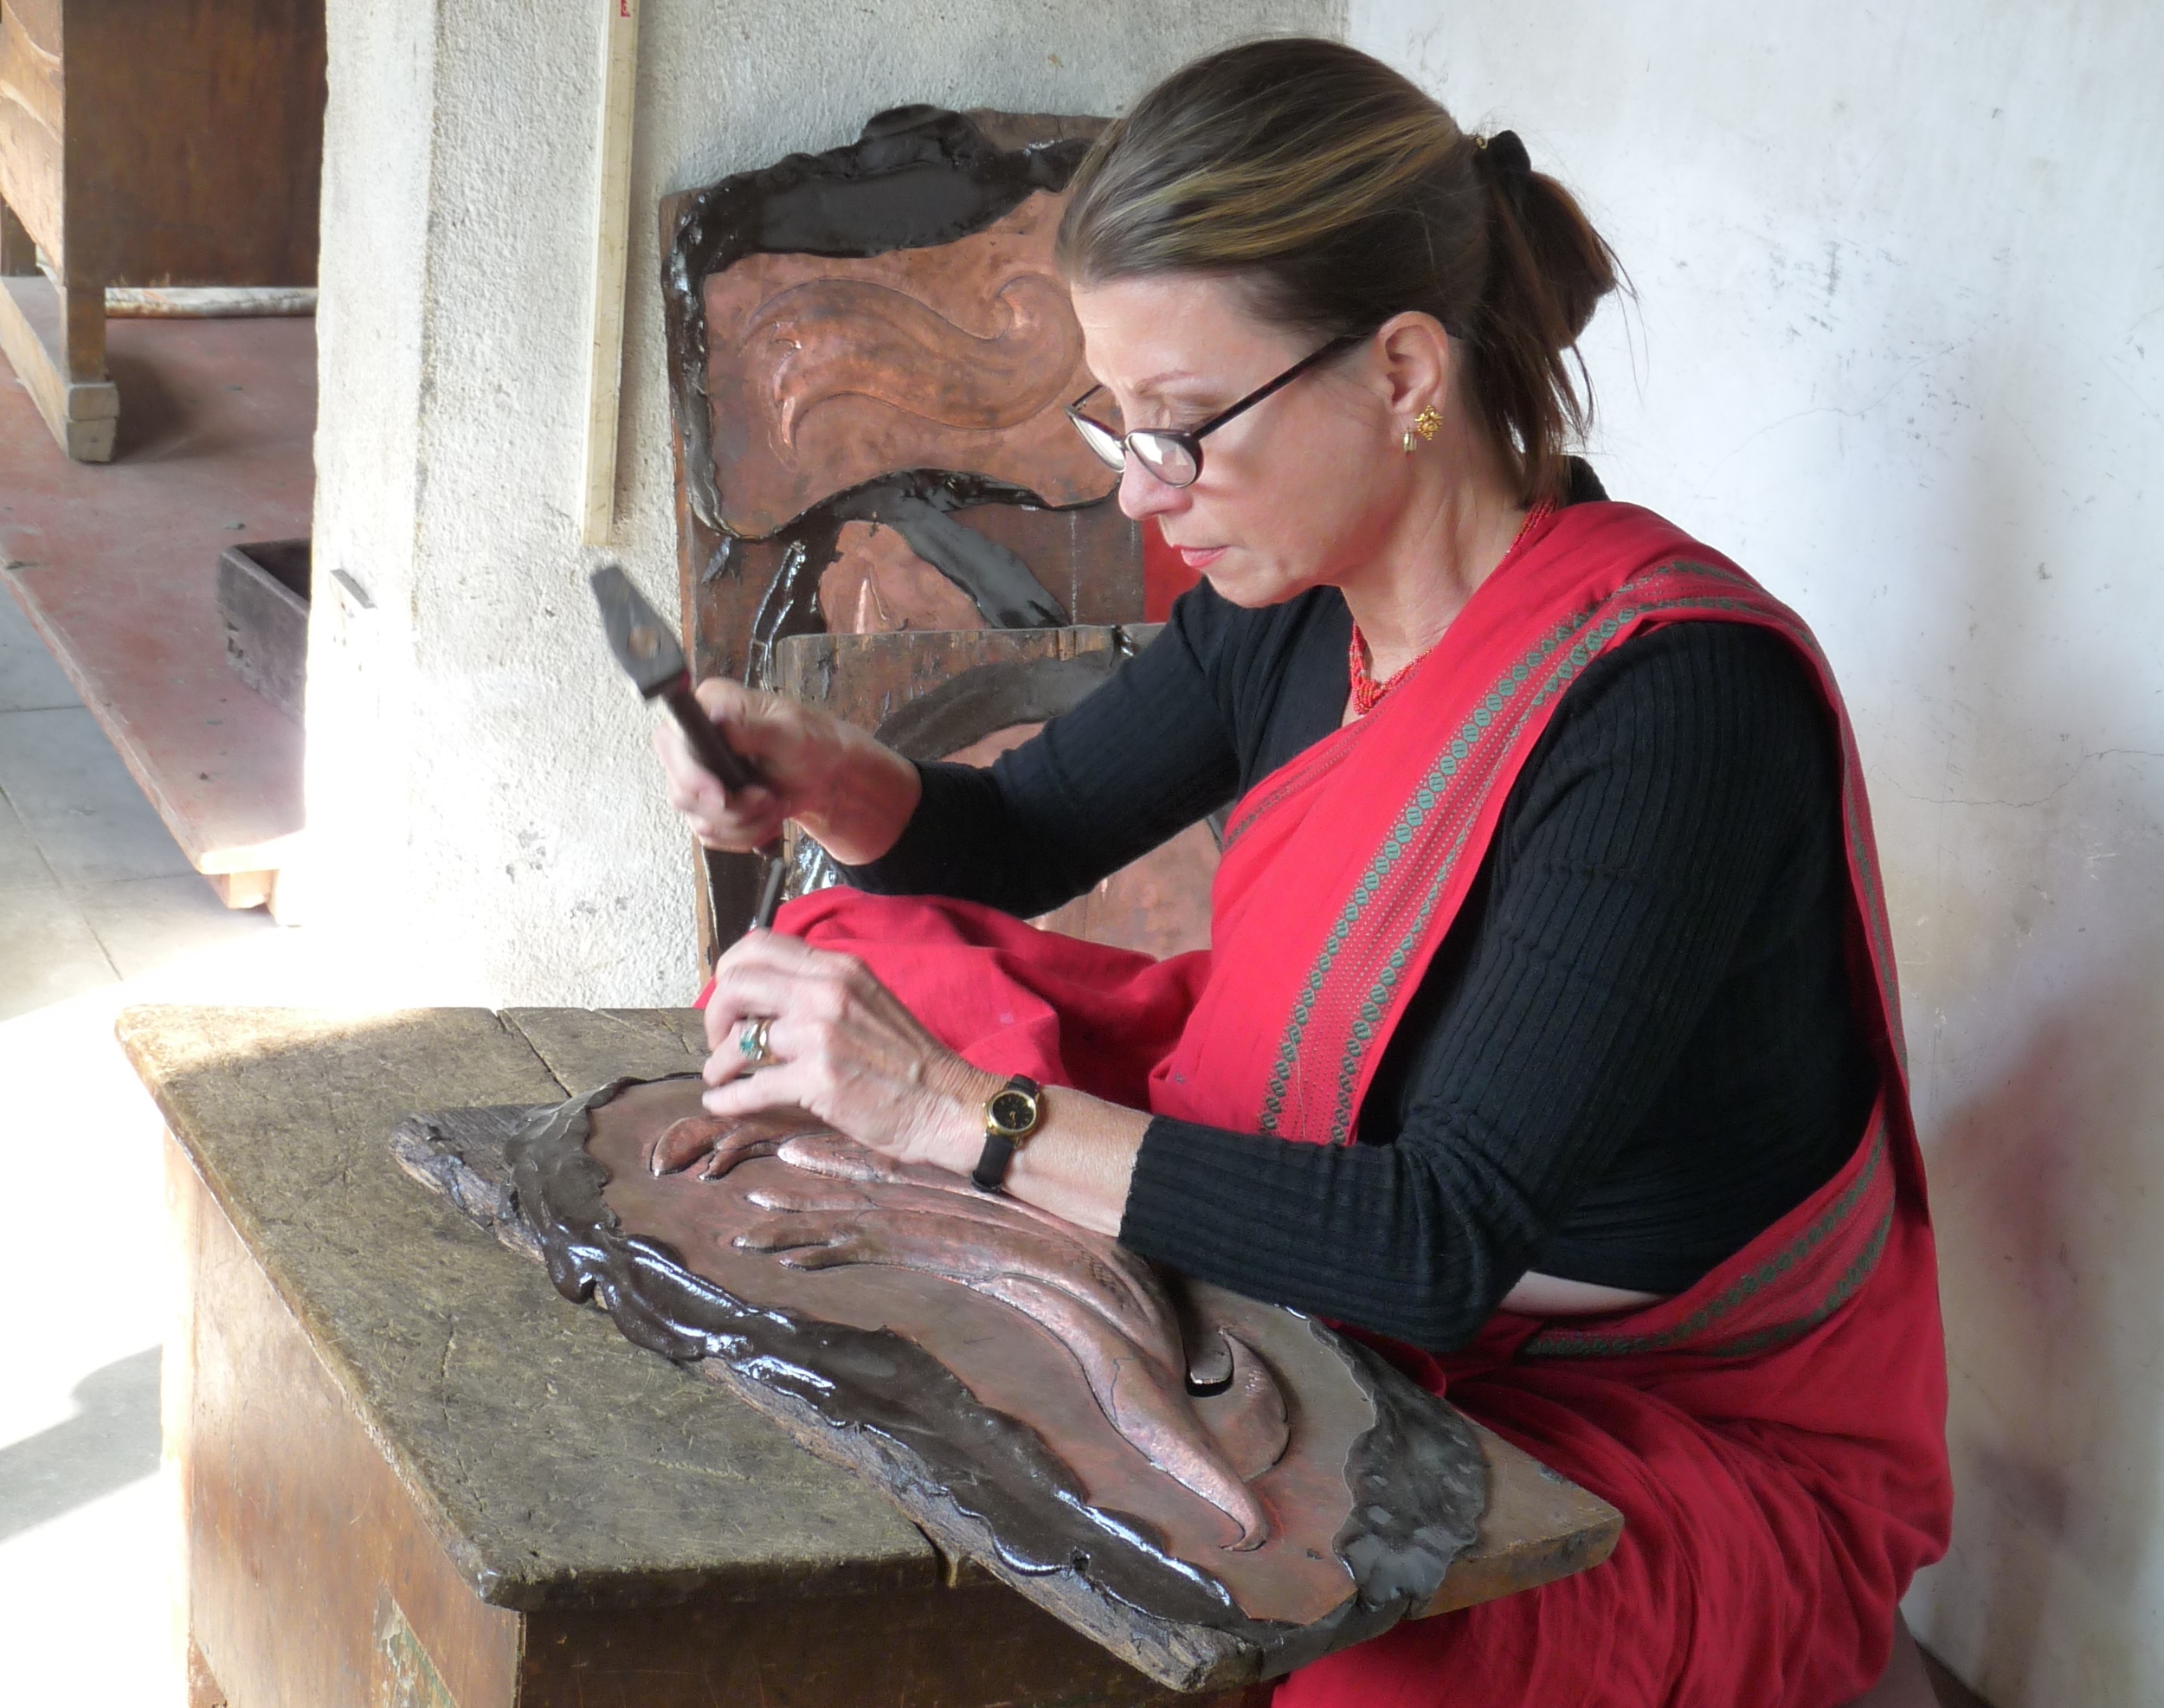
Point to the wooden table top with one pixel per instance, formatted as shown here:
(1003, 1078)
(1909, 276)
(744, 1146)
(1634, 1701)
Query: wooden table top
(560, 1465)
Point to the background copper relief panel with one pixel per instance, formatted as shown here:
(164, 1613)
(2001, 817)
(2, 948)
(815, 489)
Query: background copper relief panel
(875, 335)
(869, 349)
(824, 373)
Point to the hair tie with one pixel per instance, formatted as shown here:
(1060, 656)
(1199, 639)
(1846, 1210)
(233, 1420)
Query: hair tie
(1505, 153)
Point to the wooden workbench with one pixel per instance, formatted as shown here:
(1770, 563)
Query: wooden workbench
(146, 142)
(410, 1474)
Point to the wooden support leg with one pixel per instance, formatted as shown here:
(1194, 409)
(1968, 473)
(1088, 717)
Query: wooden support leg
(245, 889)
(56, 341)
(82, 313)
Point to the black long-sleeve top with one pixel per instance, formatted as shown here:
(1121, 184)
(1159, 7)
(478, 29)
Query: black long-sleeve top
(1632, 1052)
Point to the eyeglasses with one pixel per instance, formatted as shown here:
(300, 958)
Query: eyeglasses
(1174, 454)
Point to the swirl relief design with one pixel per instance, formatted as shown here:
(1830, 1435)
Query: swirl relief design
(1103, 1305)
(1097, 1353)
(824, 372)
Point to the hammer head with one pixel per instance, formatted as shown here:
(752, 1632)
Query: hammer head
(637, 634)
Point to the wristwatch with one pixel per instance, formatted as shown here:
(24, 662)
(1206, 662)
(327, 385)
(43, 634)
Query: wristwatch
(1012, 1114)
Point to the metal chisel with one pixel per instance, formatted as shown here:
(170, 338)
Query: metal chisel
(656, 663)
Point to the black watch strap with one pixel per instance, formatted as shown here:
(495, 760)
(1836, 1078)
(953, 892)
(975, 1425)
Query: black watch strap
(1011, 1117)
(990, 1173)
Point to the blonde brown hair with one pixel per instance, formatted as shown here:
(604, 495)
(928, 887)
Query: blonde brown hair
(1342, 195)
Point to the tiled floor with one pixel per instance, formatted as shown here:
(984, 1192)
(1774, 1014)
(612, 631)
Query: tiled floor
(93, 889)
(97, 908)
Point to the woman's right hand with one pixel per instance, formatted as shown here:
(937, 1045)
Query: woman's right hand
(850, 793)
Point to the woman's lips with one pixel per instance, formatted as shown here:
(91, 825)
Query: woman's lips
(1199, 557)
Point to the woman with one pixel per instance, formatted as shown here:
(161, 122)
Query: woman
(1548, 1033)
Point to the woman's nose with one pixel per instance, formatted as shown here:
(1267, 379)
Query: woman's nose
(1143, 495)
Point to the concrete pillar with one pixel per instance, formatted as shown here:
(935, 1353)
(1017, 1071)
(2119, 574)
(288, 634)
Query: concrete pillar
(484, 811)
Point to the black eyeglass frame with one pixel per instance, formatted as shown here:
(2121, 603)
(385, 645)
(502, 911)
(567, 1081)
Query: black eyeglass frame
(1189, 439)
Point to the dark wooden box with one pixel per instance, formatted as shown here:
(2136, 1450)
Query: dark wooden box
(263, 596)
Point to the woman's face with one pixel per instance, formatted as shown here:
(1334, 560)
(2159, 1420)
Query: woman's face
(1302, 489)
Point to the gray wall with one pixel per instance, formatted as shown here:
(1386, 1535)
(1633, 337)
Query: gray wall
(485, 816)
(1899, 349)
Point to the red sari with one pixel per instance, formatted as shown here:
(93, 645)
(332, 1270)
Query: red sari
(1776, 1436)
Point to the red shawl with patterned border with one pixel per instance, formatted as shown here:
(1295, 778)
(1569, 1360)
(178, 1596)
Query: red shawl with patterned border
(1774, 1436)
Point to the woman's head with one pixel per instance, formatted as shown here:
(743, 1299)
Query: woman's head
(1332, 196)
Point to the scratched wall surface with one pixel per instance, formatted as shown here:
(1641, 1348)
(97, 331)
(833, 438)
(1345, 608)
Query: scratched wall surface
(486, 816)
(1899, 348)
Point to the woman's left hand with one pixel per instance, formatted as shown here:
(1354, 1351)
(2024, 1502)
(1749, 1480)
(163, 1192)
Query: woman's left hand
(842, 1047)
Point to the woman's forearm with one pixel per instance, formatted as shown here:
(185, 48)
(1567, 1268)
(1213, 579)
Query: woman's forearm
(869, 794)
(1077, 1164)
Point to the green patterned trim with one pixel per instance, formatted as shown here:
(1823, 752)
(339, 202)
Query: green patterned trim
(1245, 816)
(1574, 1343)
(1415, 812)
(1369, 1016)
(1845, 1288)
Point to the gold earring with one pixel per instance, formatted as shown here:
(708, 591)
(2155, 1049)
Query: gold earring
(1429, 420)
(1408, 442)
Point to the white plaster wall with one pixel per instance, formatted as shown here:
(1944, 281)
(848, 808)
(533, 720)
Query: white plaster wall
(1899, 349)
(485, 817)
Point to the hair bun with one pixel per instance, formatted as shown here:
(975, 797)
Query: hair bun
(1340, 195)
(1504, 152)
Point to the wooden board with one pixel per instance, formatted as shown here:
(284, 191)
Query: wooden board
(604, 374)
(149, 143)
(1537, 1526)
(823, 372)
(64, 375)
(1309, 1501)
(33, 118)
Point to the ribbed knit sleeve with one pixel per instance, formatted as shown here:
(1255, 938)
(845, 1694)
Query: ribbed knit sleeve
(1636, 874)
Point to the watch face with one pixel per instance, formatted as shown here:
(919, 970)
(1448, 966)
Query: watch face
(1013, 1112)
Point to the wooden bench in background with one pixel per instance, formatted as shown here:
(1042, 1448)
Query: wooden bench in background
(146, 142)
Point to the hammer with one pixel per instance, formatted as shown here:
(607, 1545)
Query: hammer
(654, 660)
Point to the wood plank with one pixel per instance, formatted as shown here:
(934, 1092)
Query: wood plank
(194, 141)
(585, 1049)
(978, 1646)
(1539, 1526)
(718, 616)
(32, 110)
(604, 377)
(246, 889)
(864, 678)
(82, 333)
(1159, 904)
(312, 1579)
(489, 1396)
(18, 250)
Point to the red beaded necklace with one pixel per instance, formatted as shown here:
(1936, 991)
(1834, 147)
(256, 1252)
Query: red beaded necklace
(1367, 692)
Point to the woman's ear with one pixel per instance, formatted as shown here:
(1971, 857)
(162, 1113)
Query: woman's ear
(1416, 365)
